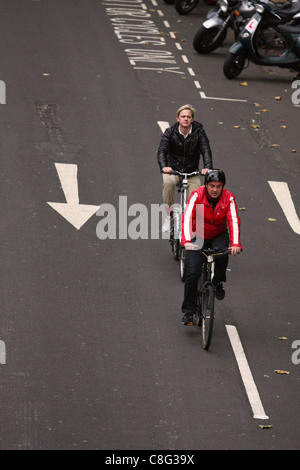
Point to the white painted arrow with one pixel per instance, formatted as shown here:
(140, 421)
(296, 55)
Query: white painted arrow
(163, 125)
(75, 213)
(283, 196)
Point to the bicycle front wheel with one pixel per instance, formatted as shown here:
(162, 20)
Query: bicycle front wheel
(207, 315)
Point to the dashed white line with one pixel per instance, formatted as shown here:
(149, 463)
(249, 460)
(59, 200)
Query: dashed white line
(186, 61)
(251, 389)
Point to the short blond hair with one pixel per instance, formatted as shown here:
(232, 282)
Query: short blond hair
(186, 106)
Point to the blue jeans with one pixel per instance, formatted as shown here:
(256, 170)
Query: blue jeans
(194, 261)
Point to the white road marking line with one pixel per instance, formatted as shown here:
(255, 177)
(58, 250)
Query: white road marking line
(203, 95)
(283, 196)
(186, 61)
(251, 389)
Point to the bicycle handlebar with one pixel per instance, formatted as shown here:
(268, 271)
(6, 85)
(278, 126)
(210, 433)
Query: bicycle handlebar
(186, 175)
(216, 251)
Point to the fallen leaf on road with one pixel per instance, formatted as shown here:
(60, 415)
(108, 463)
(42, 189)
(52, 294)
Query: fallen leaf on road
(244, 84)
(264, 110)
(271, 220)
(265, 426)
(282, 338)
(294, 150)
(236, 127)
(278, 98)
(278, 371)
(255, 126)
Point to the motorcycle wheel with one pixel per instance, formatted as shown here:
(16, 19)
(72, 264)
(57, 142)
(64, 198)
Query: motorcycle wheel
(204, 40)
(233, 65)
(185, 6)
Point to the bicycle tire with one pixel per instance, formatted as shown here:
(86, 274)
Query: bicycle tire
(182, 264)
(176, 251)
(207, 315)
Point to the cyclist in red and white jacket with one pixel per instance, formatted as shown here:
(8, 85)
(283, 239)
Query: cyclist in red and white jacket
(210, 212)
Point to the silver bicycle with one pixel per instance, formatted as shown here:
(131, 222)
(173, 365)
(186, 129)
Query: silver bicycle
(176, 217)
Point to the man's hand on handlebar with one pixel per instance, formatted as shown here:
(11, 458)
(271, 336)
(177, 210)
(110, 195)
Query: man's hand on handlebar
(167, 169)
(235, 250)
(191, 246)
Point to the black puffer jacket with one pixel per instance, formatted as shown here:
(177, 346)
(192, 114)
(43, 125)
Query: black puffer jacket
(183, 154)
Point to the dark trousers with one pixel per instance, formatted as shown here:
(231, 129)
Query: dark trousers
(194, 261)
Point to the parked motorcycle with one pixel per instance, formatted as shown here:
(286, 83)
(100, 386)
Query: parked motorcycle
(266, 40)
(231, 14)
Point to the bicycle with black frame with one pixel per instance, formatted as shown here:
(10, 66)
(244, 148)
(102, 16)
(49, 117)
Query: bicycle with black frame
(205, 313)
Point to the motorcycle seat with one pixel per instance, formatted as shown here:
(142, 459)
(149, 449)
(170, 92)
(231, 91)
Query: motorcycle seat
(286, 28)
(288, 10)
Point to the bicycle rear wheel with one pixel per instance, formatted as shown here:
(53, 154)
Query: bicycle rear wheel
(207, 315)
(182, 264)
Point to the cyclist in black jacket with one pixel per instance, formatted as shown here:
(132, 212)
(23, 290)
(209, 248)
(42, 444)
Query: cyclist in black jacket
(180, 148)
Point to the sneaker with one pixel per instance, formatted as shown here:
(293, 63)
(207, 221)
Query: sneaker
(167, 224)
(220, 292)
(187, 319)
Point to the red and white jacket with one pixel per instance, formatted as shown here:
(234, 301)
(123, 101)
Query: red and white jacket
(215, 221)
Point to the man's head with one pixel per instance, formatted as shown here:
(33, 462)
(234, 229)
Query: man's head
(214, 181)
(186, 107)
(185, 117)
